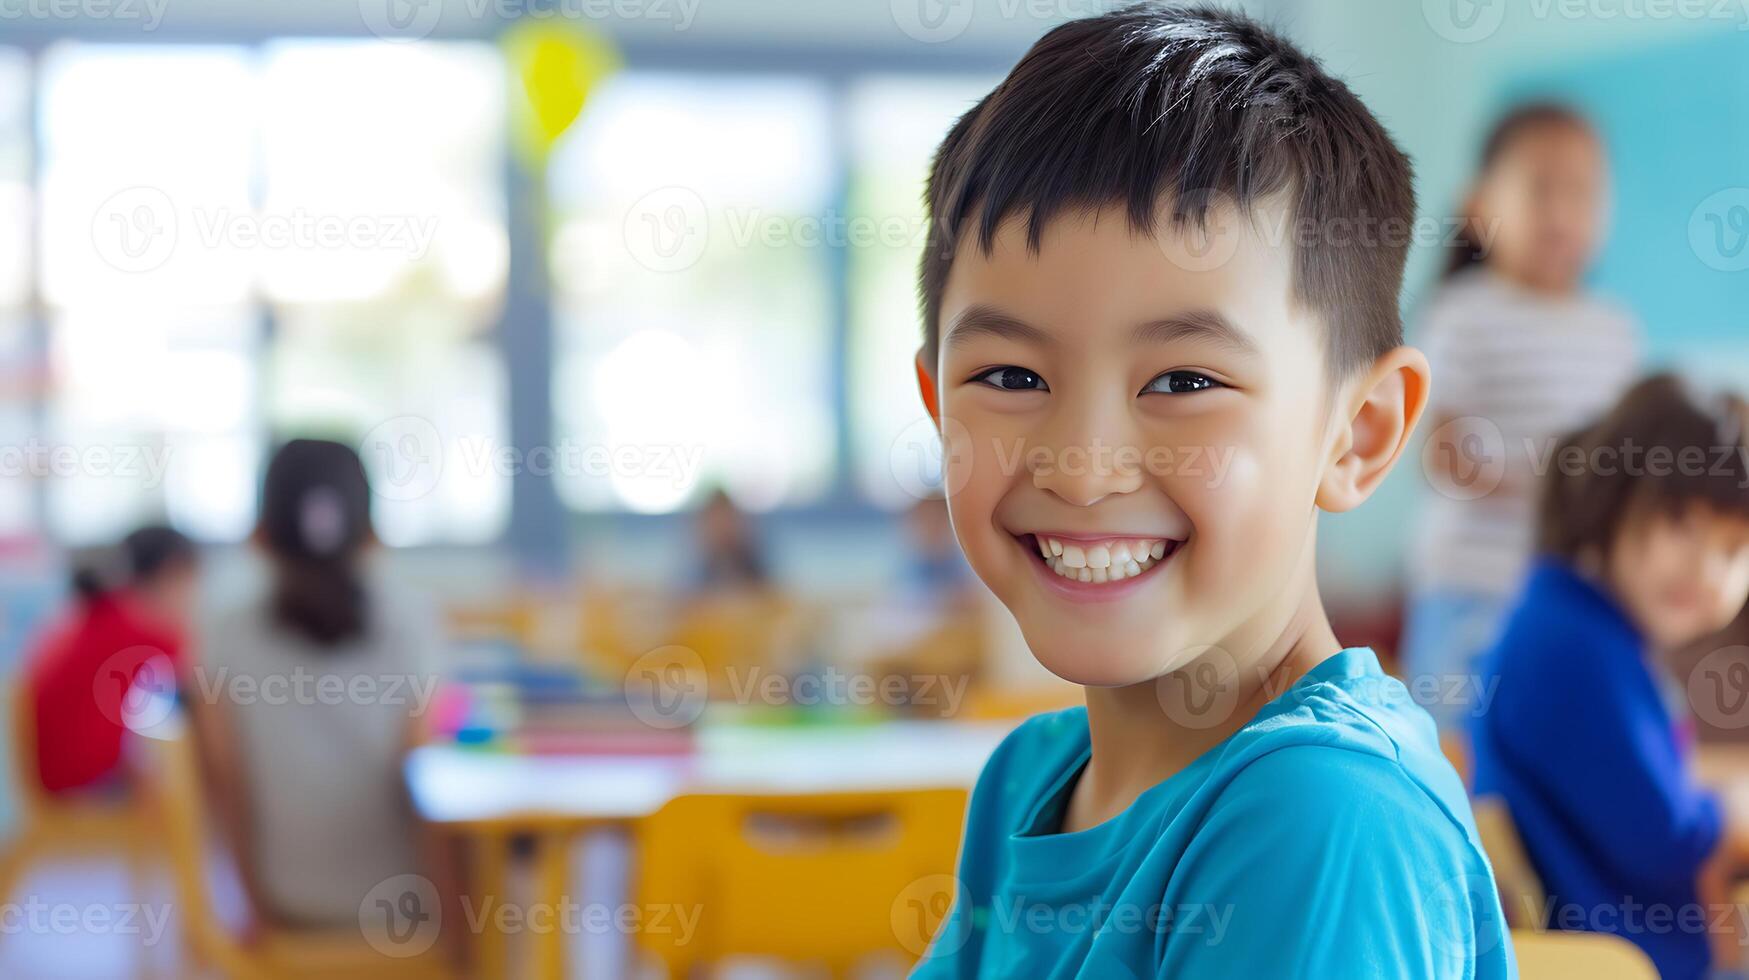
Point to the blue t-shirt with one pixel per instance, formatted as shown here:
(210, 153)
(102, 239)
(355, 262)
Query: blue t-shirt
(1327, 838)
(1579, 744)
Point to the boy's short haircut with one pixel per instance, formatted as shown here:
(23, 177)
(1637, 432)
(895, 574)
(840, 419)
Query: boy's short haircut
(1663, 448)
(1182, 106)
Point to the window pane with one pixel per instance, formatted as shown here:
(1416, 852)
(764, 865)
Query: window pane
(146, 158)
(18, 376)
(428, 418)
(15, 201)
(146, 162)
(384, 167)
(896, 125)
(397, 152)
(691, 304)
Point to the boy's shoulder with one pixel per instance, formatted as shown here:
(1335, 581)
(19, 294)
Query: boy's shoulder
(1345, 735)
(1039, 750)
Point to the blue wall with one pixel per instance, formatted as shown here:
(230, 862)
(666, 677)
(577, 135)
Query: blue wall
(1676, 122)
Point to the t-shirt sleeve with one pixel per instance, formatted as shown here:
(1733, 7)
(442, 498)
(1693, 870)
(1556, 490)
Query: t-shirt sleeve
(1329, 862)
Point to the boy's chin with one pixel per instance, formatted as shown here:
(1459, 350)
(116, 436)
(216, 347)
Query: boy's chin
(1098, 661)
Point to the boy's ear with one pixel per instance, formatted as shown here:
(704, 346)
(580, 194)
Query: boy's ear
(1377, 419)
(926, 388)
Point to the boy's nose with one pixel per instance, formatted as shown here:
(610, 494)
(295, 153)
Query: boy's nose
(1083, 475)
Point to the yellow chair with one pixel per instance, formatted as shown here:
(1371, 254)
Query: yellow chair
(1456, 748)
(823, 878)
(176, 798)
(1521, 890)
(51, 827)
(988, 702)
(733, 634)
(1579, 956)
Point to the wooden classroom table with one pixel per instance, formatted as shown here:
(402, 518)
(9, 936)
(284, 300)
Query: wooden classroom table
(491, 796)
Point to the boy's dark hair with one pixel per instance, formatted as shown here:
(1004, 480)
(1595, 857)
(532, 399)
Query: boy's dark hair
(1182, 105)
(1467, 250)
(1605, 473)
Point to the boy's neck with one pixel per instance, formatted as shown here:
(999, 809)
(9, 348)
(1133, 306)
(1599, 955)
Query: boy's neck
(1137, 744)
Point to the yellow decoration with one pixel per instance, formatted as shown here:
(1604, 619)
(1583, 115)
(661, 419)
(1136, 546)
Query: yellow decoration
(556, 65)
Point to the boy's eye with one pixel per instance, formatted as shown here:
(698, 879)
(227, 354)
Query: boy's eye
(1012, 379)
(1181, 382)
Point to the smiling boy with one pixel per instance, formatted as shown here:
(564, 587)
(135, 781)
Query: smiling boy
(1149, 252)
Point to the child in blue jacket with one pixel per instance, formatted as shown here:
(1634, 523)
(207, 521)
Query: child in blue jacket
(1644, 542)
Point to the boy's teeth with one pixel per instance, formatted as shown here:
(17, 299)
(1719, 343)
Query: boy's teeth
(1112, 561)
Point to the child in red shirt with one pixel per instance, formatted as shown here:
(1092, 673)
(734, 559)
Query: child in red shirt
(123, 634)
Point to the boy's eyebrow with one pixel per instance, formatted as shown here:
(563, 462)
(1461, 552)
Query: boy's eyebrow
(981, 319)
(1207, 325)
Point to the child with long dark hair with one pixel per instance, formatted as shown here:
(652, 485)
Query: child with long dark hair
(1521, 352)
(317, 687)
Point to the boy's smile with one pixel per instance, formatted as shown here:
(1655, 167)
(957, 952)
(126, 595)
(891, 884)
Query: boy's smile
(1147, 439)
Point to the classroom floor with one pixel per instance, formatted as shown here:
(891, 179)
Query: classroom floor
(80, 920)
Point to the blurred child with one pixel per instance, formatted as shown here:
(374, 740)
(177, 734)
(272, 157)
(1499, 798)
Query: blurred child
(1643, 547)
(1152, 399)
(730, 558)
(935, 574)
(317, 690)
(127, 625)
(1521, 353)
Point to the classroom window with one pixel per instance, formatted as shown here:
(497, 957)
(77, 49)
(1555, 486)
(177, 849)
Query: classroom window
(150, 329)
(692, 308)
(379, 330)
(18, 376)
(238, 245)
(896, 124)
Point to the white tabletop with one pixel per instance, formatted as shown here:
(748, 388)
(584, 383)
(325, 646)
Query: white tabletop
(453, 784)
